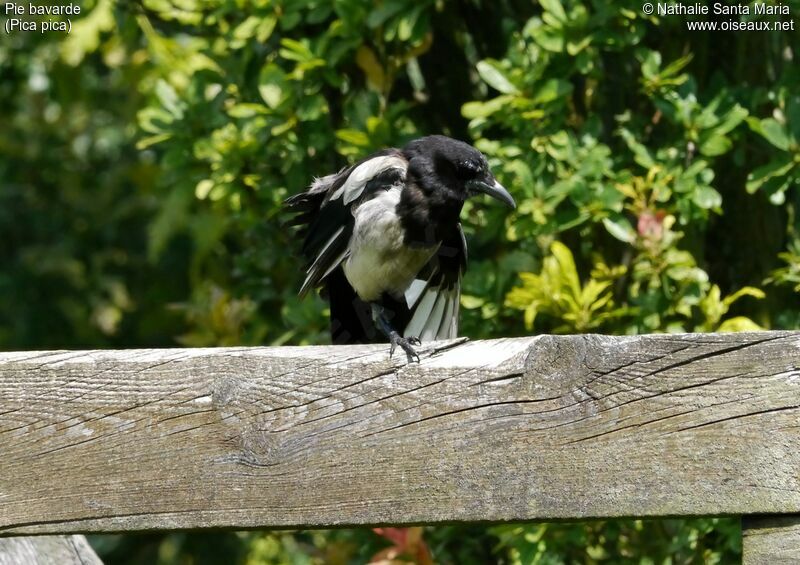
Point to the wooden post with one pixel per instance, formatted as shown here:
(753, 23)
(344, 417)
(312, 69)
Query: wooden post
(770, 540)
(539, 428)
(47, 550)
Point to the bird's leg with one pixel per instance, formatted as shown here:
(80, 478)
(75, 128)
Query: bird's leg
(405, 343)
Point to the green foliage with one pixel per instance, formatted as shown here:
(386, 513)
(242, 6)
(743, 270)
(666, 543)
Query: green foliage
(783, 132)
(558, 292)
(790, 272)
(145, 156)
(710, 541)
(651, 175)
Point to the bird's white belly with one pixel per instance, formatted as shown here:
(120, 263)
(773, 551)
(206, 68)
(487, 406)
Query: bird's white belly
(379, 262)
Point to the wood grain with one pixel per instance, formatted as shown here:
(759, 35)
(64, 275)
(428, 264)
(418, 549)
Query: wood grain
(514, 429)
(47, 550)
(770, 540)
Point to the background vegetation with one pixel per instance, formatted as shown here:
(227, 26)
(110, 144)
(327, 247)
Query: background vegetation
(144, 158)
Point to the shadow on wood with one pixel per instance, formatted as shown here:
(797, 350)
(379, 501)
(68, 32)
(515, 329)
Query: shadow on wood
(770, 539)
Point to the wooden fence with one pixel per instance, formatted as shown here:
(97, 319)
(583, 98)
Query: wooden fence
(534, 428)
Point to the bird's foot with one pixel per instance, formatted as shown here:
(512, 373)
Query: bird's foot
(405, 344)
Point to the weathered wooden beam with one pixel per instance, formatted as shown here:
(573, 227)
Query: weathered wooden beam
(770, 539)
(513, 429)
(47, 550)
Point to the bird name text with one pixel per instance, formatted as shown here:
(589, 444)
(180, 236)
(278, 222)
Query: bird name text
(34, 17)
(31, 9)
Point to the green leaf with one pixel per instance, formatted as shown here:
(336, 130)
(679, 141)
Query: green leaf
(555, 8)
(575, 47)
(409, 27)
(311, 108)
(87, 31)
(247, 28)
(651, 62)
(372, 67)
(706, 197)
(353, 136)
(642, 154)
(567, 263)
(739, 324)
(169, 98)
(775, 133)
(620, 228)
(246, 110)
(779, 167)
(591, 294)
(552, 89)
(203, 188)
(530, 315)
(472, 110)
(271, 85)
(271, 94)
(732, 118)
(383, 12)
(294, 50)
(715, 145)
(549, 38)
(776, 187)
(146, 142)
(491, 74)
(471, 302)
(676, 66)
(742, 292)
(155, 120)
(265, 28)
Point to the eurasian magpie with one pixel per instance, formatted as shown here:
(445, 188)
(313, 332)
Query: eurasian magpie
(383, 240)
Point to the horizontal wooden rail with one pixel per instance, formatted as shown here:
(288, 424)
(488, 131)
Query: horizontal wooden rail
(535, 428)
(47, 550)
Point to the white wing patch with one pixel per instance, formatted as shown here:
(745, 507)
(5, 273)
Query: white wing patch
(361, 175)
(448, 328)
(414, 291)
(431, 329)
(324, 249)
(336, 262)
(421, 314)
(312, 271)
(436, 315)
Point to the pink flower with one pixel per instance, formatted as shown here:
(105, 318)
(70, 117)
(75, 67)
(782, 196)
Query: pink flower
(651, 225)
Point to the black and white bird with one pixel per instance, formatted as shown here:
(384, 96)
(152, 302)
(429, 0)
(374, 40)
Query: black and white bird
(384, 242)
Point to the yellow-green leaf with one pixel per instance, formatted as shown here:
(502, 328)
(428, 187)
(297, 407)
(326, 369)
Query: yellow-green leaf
(739, 324)
(373, 70)
(567, 264)
(745, 291)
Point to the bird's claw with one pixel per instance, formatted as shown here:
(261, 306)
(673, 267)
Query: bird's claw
(405, 344)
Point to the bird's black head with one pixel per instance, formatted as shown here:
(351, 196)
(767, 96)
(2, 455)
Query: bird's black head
(452, 170)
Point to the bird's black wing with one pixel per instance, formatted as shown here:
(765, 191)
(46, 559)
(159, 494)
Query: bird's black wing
(433, 297)
(325, 211)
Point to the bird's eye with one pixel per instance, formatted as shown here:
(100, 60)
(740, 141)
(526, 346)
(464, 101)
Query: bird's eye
(469, 169)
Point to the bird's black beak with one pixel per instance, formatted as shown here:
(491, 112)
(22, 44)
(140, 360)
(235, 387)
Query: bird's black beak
(490, 186)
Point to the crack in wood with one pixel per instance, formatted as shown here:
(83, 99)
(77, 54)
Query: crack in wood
(710, 354)
(452, 412)
(501, 378)
(518, 429)
(738, 417)
(629, 426)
